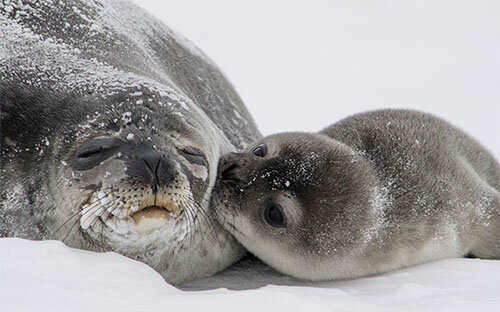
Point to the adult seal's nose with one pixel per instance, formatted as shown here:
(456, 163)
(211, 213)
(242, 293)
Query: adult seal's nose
(151, 167)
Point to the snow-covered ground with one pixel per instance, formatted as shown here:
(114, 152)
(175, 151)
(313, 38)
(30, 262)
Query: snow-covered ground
(301, 66)
(48, 276)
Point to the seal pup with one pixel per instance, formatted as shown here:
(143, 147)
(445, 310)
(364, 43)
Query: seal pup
(374, 192)
(112, 127)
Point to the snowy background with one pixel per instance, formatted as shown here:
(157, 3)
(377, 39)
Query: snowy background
(302, 66)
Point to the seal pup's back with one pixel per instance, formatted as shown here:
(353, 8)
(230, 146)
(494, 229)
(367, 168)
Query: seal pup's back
(374, 192)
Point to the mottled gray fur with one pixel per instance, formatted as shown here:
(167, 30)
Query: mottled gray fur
(104, 111)
(373, 192)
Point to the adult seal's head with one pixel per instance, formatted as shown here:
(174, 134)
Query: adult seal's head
(372, 193)
(111, 130)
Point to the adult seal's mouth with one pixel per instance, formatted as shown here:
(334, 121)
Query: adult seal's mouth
(111, 129)
(152, 218)
(143, 218)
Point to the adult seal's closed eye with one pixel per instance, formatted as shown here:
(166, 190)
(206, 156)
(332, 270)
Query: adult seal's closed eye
(112, 126)
(374, 192)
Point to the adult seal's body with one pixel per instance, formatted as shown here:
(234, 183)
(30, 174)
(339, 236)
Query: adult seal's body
(111, 130)
(372, 193)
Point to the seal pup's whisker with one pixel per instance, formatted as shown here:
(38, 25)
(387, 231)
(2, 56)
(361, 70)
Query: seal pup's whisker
(226, 223)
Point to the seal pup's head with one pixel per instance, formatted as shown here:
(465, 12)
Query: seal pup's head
(300, 202)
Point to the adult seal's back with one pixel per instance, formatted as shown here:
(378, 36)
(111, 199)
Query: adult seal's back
(374, 192)
(111, 130)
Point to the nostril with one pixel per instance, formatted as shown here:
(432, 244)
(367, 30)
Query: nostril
(152, 164)
(165, 171)
(230, 173)
(229, 169)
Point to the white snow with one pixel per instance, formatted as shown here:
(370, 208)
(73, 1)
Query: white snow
(137, 93)
(48, 276)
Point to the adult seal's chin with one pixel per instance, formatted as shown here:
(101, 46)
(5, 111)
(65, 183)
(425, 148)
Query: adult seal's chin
(113, 151)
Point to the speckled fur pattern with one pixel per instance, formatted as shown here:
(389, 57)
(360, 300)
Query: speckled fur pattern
(75, 72)
(374, 192)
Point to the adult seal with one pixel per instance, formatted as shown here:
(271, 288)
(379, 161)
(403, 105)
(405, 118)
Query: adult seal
(112, 126)
(374, 192)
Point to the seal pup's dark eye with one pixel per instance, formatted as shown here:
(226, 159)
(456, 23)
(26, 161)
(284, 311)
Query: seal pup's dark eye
(93, 152)
(194, 155)
(260, 150)
(274, 216)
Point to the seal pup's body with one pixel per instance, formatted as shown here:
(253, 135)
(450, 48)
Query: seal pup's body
(112, 126)
(374, 192)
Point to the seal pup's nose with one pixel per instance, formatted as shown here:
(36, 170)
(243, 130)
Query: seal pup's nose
(229, 168)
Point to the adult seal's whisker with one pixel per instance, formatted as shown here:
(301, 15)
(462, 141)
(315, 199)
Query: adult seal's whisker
(54, 233)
